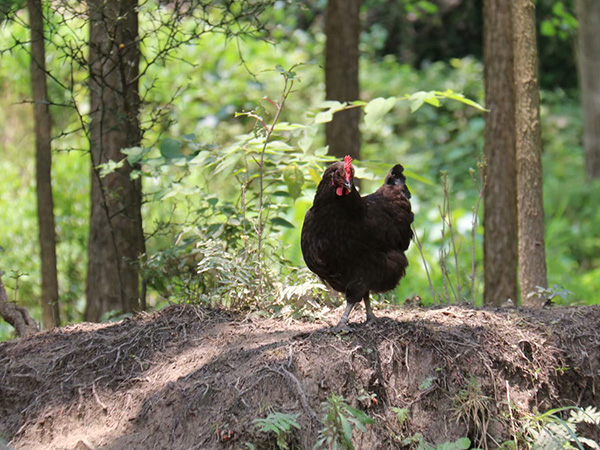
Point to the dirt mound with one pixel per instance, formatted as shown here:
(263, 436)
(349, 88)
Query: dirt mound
(194, 378)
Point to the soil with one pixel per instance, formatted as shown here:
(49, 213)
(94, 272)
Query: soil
(189, 377)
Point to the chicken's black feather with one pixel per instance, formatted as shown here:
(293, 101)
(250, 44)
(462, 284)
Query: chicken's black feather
(357, 244)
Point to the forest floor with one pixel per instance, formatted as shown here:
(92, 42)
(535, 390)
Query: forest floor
(188, 377)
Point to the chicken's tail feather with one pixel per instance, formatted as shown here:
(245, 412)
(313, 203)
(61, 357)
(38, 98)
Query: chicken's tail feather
(396, 177)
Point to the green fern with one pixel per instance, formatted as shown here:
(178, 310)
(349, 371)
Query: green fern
(280, 424)
(549, 431)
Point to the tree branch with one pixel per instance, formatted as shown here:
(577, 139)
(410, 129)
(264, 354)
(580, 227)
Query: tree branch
(16, 315)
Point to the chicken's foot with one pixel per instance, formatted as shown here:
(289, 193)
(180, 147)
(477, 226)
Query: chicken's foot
(343, 323)
(370, 316)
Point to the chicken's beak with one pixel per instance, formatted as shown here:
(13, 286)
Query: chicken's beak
(348, 186)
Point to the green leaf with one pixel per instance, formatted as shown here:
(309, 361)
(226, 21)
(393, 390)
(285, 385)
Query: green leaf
(294, 180)
(319, 443)
(401, 414)
(170, 148)
(331, 107)
(416, 176)
(305, 142)
(324, 116)
(189, 137)
(346, 431)
(134, 154)
(110, 166)
(427, 383)
(322, 151)
(378, 108)
(463, 443)
(360, 415)
(547, 28)
(331, 104)
(278, 221)
(427, 7)
(314, 175)
(461, 98)
(418, 99)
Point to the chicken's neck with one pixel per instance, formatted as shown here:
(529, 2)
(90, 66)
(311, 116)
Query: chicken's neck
(327, 197)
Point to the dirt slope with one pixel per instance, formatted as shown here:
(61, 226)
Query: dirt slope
(190, 378)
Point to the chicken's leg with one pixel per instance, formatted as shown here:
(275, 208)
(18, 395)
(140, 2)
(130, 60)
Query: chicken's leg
(344, 320)
(370, 316)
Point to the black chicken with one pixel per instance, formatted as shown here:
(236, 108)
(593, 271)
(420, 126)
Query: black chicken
(354, 243)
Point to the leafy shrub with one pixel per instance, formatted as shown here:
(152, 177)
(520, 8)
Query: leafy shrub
(280, 424)
(339, 421)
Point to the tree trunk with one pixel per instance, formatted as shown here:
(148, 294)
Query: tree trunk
(342, 28)
(116, 236)
(500, 195)
(530, 203)
(588, 13)
(43, 159)
(17, 316)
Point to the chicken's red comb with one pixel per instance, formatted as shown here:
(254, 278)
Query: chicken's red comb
(348, 166)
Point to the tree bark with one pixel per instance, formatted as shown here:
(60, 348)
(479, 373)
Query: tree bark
(43, 160)
(342, 28)
(17, 316)
(588, 13)
(530, 203)
(500, 195)
(116, 236)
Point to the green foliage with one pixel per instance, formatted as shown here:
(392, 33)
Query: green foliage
(549, 430)
(561, 24)
(281, 425)
(548, 294)
(402, 414)
(200, 173)
(474, 409)
(9, 7)
(418, 442)
(339, 421)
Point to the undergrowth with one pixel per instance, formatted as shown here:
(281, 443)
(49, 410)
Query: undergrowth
(235, 253)
(558, 428)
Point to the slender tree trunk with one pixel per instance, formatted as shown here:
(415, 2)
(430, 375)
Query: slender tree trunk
(342, 28)
(588, 13)
(43, 160)
(500, 196)
(116, 236)
(530, 203)
(17, 316)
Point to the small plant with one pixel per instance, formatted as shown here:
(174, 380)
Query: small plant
(548, 431)
(450, 253)
(402, 414)
(340, 419)
(473, 408)
(280, 424)
(403, 417)
(427, 383)
(418, 442)
(548, 294)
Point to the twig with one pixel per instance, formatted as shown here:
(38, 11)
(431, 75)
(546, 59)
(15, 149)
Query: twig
(104, 407)
(420, 247)
(287, 87)
(512, 419)
(292, 378)
(482, 182)
(447, 218)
